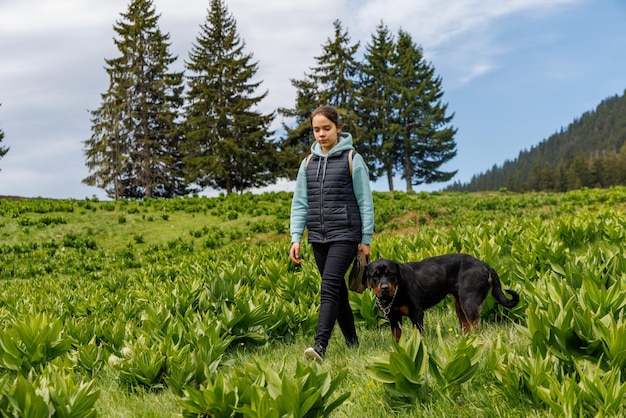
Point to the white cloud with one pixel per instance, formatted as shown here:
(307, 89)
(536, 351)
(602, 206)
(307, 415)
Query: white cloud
(25, 17)
(437, 22)
(458, 32)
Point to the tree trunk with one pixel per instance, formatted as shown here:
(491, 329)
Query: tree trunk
(408, 171)
(229, 186)
(390, 179)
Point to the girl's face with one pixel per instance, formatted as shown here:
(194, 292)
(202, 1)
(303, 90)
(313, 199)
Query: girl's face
(325, 131)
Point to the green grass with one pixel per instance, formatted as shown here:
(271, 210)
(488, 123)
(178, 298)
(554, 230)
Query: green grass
(367, 396)
(143, 272)
(117, 228)
(367, 399)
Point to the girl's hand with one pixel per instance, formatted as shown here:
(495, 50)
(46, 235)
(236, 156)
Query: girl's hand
(365, 249)
(294, 252)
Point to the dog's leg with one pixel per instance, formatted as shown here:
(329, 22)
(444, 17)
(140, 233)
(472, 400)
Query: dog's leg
(466, 325)
(471, 314)
(395, 323)
(397, 333)
(417, 318)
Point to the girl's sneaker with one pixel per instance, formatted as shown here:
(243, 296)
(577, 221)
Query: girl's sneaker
(314, 353)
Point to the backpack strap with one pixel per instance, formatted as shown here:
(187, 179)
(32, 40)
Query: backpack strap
(308, 158)
(350, 160)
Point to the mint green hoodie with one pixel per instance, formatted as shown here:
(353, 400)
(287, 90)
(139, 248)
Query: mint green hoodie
(360, 184)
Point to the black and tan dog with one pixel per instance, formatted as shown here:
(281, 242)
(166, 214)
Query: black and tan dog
(407, 289)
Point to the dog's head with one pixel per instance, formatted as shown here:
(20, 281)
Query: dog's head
(383, 276)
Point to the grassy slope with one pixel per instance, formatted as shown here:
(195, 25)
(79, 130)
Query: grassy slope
(114, 227)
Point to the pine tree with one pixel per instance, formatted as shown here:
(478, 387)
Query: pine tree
(333, 81)
(298, 140)
(336, 75)
(228, 145)
(378, 93)
(134, 150)
(3, 150)
(426, 140)
(619, 167)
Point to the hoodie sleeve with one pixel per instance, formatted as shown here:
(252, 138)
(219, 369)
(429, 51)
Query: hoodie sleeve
(299, 205)
(363, 193)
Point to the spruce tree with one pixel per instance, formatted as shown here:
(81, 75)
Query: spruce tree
(426, 138)
(336, 75)
(298, 140)
(107, 149)
(134, 150)
(378, 93)
(228, 146)
(3, 150)
(332, 81)
(618, 174)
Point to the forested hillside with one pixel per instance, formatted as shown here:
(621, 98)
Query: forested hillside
(590, 152)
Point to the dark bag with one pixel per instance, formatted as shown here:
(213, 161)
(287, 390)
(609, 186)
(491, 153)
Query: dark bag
(355, 280)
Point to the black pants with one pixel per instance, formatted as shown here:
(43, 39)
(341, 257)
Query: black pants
(333, 261)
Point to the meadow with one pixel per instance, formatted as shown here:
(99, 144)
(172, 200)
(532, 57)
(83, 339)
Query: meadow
(190, 307)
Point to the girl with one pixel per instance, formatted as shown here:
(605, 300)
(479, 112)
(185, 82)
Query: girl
(333, 200)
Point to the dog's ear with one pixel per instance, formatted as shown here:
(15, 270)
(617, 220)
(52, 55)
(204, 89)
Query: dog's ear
(405, 272)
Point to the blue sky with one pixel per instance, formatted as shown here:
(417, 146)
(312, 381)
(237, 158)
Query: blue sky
(514, 71)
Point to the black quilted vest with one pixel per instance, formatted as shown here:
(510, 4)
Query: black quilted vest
(333, 213)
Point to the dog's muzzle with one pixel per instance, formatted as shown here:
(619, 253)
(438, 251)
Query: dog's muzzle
(385, 290)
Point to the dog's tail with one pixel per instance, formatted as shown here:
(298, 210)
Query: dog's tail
(496, 291)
